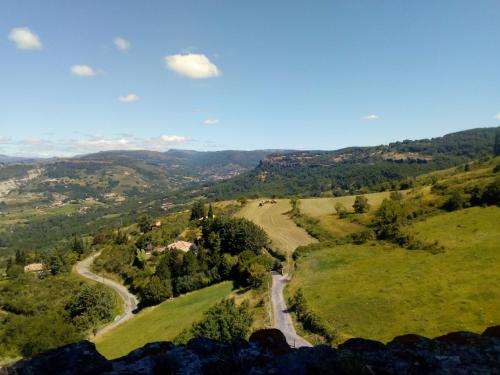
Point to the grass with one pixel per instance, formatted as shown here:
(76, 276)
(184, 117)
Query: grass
(161, 323)
(283, 232)
(318, 207)
(323, 209)
(379, 291)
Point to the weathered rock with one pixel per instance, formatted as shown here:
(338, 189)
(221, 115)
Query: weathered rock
(272, 340)
(268, 353)
(362, 345)
(80, 358)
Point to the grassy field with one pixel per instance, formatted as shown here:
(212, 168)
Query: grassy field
(162, 323)
(323, 209)
(318, 207)
(283, 232)
(379, 291)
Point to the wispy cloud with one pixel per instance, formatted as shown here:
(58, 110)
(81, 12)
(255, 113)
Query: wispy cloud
(130, 98)
(41, 147)
(24, 38)
(212, 121)
(121, 44)
(195, 66)
(371, 117)
(83, 71)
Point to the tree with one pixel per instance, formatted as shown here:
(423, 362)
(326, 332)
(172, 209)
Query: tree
(496, 149)
(491, 195)
(155, 291)
(341, 210)
(92, 305)
(236, 234)
(210, 213)
(20, 257)
(388, 219)
(197, 211)
(455, 201)
(163, 269)
(14, 270)
(225, 322)
(361, 204)
(56, 264)
(77, 246)
(144, 223)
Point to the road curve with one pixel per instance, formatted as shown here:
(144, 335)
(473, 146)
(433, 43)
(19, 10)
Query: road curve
(129, 300)
(282, 319)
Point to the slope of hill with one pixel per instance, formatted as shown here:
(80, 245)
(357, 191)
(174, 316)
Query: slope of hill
(273, 218)
(437, 273)
(312, 173)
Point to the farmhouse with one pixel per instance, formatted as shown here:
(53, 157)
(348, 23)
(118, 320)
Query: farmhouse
(180, 245)
(34, 267)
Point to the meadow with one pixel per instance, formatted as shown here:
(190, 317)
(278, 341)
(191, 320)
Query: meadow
(378, 290)
(323, 210)
(161, 323)
(273, 218)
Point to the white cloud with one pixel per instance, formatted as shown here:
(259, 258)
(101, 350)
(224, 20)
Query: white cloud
(212, 121)
(25, 38)
(173, 139)
(121, 44)
(88, 144)
(130, 98)
(371, 117)
(83, 71)
(191, 65)
(497, 116)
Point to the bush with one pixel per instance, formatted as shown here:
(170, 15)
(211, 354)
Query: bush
(455, 201)
(91, 305)
(361, 204)
(225, 322)
(341, 210)
(155, 291)
(310, 320)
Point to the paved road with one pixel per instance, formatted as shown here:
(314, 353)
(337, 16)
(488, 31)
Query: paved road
(128, 298)
(282, 318)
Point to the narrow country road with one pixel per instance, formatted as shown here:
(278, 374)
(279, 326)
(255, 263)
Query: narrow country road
(282, 318)
(129, 300)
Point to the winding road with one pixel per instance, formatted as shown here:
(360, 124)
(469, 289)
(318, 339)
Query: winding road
(282, 319)
(129, 300)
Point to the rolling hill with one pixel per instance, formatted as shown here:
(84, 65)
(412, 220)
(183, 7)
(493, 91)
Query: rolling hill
(315, 173)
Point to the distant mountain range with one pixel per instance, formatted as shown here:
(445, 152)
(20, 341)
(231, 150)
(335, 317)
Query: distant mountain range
(15, 159)
(227, 174)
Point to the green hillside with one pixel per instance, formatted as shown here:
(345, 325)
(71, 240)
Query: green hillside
(161, 323)
(351, 170)
(378, 290)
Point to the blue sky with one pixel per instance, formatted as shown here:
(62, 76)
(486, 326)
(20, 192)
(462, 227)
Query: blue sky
(234, 74)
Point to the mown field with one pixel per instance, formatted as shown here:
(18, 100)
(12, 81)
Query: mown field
(161, 323)
(323, 209)
(283, 232)
(379, 291)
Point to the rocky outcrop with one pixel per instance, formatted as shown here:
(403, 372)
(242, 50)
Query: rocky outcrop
(267, 352)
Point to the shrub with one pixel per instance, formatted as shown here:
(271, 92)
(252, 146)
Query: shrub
(309, 319)
(361, 204)
(155, 291)
(341, 210)
(225, 322)
(455, 201)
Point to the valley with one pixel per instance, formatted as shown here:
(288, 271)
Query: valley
(411, 253)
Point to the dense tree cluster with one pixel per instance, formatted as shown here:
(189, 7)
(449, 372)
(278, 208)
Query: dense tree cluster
(40, 314)
(225, 321)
